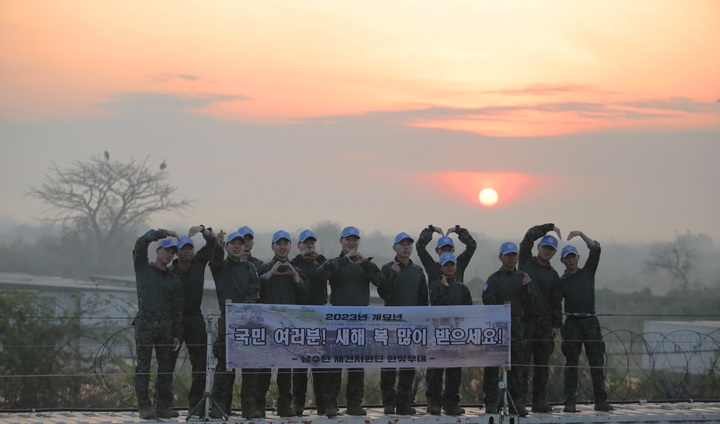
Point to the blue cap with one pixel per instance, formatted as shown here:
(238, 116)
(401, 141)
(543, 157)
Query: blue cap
(245, 230)
(183, 241)
(508, 247)
(403, 236)
(279, 235)
(447, 257)
(306, 234)
(549, 240)
(233, 236)
(167, 243)
(350, 231)
(568, 250)
(445, 241)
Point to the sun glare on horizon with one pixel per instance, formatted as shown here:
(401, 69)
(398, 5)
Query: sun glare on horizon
(488, 197)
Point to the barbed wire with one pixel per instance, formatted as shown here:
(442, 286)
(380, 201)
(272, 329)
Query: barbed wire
(679, 364)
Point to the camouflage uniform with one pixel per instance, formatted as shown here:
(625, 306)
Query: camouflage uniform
(506, 287)
(540, 317)
(349, 286)
(239, 282)
(317, 295)
(582, 328)
(279, 290)
(409, 289)
(157, 324)
(455, 293)
(432, 267)
(194, 332)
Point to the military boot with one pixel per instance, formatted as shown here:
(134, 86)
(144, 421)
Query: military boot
(331, 411)
(165, 412)
(405, 410)
(541, 407)
(454, 410)
(570, 407)
(146, 413)
(356, 410)
(603, 405)
(434, 409)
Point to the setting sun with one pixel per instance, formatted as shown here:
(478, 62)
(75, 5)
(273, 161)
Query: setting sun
(488, 197)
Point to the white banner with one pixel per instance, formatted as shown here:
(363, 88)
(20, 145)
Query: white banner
(299, 336)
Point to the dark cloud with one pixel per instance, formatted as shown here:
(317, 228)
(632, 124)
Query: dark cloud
(677, 104)
(589, 110)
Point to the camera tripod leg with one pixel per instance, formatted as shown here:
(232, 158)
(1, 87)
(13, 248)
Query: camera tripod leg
(207, 401)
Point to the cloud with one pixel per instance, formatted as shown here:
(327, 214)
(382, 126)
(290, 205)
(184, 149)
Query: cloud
(676, 104)
(160, 104)
(538, 118)
(548, 89)
(170, 77)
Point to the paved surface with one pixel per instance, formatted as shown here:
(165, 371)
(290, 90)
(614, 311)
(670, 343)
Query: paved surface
(624, 413)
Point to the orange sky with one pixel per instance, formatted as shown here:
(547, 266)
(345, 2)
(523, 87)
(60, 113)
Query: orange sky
(299, 59)
(534, 98)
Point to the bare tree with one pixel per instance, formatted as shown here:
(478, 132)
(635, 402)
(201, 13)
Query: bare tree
(328, 233)
(678, 258)
(100, 199)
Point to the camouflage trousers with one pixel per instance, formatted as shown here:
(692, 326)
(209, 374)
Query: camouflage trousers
(284, 383)
(354, 391)
(195, 339)
(577, 332)
(225, 379)
(514, 375)
(403, 395)
(435, 394)
(300, 380)
(154, 332)
(539, 345)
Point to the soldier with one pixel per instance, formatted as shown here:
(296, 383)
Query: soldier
(158, 323)
(508, 285)
(350, 275)
(189, 267)
(445, 244)
(280, 284)
(410, 289)
(249, 236)
(447, 290)
(235, 279)
(543, 318)
(308, 261)
(582, 326)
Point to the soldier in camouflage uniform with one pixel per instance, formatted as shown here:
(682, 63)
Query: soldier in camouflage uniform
(189, 267)
(350, 276)
(308, 261)
(235, 279)
(445, 244)
(508, 285)
(409, 289)
(581, 325)
(249, 236)
(280, 284)
(543, 318)
(446, 291)
(158, 323)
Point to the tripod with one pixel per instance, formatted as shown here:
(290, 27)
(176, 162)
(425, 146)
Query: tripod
(207, 401)
(504, 400)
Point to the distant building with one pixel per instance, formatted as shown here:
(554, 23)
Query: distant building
(677, 345)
